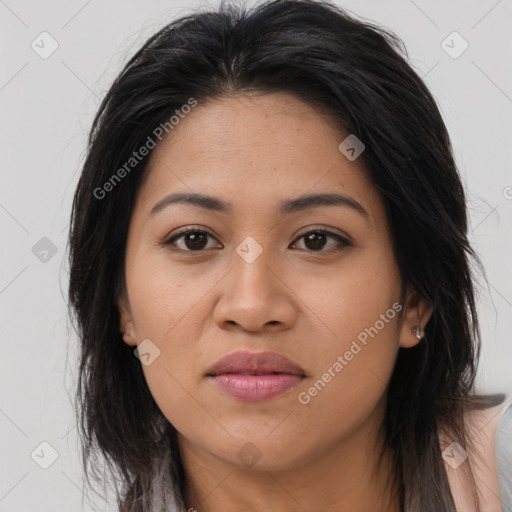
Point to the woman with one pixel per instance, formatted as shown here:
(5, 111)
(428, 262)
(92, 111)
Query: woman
(270, 275)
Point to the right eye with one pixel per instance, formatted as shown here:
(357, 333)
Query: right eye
(192, 240)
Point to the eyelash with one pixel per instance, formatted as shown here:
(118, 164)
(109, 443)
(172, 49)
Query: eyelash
(344, 242)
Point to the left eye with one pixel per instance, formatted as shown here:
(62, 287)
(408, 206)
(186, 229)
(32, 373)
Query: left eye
(315, 240)
(196, 240)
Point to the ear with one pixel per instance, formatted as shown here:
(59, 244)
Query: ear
(126, 323)
(417, 313)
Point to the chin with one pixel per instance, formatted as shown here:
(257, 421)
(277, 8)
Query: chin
(262, 451)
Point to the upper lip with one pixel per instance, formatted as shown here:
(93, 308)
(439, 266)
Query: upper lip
(254, 362)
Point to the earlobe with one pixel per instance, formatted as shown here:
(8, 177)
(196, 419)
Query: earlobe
(416, 316)
(126, 326)
(128, 338)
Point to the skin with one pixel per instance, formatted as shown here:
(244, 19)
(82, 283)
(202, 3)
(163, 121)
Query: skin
(198, 306)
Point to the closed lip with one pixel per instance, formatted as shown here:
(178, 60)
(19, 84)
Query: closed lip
(254, 363)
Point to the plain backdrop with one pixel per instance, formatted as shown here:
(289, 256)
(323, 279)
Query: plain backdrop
(47, 105)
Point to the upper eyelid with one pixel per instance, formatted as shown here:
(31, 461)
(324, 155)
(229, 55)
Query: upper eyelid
(180, 234)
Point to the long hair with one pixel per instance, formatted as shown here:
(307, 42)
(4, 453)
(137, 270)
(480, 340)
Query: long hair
(357, 74)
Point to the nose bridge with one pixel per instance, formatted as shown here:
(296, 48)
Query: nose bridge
(254, 296)
(252, 267)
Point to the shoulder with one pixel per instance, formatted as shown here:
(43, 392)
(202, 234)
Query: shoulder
(477, 471)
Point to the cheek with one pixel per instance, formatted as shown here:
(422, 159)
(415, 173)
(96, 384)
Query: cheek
(164, 295)
(355, 357)
(170, 308)
(358, 309)
(358, 299)
(354, 369)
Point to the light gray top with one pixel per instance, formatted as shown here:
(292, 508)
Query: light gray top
(504, 458)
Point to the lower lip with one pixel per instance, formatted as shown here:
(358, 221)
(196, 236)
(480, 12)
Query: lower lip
(254, 388)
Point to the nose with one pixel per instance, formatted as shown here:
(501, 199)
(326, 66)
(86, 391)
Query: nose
(256, 296)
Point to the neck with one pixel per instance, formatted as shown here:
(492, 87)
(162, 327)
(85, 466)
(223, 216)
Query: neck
(344, 477)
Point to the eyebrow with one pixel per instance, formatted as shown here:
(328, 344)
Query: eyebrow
(285, 207)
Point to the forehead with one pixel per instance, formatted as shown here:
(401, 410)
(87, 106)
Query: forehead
(254, 151)
(277, 125)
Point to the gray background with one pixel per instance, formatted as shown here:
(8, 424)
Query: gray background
(47, 107)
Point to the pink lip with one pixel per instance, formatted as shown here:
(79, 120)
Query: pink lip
(255, 376)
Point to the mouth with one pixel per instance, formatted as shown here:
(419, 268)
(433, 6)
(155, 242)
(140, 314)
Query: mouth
(255, 376)
(251, 373)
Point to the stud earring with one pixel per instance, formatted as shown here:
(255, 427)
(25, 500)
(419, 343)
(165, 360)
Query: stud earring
(418, 332)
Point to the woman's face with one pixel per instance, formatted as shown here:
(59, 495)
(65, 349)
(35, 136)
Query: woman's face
(315, 282)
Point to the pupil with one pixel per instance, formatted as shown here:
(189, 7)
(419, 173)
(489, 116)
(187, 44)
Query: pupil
(195, 240)
(317, 239)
